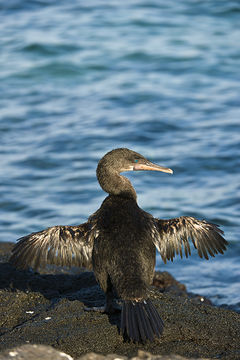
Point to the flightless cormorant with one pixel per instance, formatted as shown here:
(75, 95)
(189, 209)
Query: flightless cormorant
(119, 243)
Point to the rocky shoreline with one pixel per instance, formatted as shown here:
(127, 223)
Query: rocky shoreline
(47, 308)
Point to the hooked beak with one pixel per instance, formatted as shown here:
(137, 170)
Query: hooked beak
(151, 166)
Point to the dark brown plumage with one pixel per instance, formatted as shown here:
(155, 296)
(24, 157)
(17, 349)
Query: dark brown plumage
(119, 242)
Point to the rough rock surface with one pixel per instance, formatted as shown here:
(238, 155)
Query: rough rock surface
(43, 352)
(48, 309)
(34, 352)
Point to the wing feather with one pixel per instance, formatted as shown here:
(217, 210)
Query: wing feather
(58, 245)
(174, 235)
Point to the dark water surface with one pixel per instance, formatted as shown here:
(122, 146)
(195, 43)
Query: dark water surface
(163, 78)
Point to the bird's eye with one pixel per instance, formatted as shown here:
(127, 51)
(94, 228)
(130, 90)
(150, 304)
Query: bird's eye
(136, 160)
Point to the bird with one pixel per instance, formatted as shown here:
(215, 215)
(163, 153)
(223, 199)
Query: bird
(119, 242)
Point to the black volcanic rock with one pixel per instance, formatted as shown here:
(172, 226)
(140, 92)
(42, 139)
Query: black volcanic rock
(48, 309)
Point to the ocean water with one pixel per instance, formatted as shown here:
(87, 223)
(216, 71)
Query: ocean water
(162, 78)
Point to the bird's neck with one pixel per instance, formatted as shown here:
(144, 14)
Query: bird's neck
(115, 184)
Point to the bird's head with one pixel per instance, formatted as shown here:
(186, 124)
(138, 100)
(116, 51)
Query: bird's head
(123, 159)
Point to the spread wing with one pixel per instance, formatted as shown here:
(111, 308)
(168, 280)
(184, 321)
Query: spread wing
(59, 245)
(173, 237)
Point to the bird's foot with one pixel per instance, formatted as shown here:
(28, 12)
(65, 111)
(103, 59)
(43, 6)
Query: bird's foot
(113, 306)
(96, 308)
(110, 307)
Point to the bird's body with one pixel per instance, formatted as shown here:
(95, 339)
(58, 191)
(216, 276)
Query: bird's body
(123, 249)
(119, 242)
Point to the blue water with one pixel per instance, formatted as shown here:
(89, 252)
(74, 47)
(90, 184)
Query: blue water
(163, 78)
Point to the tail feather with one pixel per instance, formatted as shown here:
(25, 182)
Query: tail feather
(140, 321)
(156, 320)
(142, 329)
(151, 320)
(135, 331)
(145, 322)
(130, 322)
